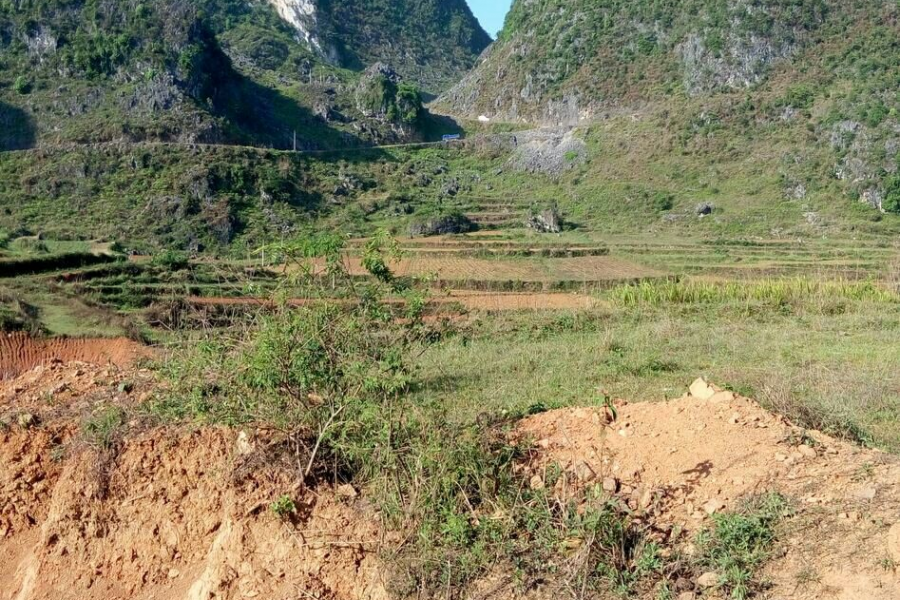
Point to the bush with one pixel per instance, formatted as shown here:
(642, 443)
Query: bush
(892, 195)
(663, 201)
(407, 105)
(336, 377)
(21, 85)
(171, 260)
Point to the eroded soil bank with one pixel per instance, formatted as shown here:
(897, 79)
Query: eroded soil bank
(180, 512)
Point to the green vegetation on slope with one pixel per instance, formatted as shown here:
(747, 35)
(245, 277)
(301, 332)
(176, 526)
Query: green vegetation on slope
(817, 77)
(430, 42)
(220, 71)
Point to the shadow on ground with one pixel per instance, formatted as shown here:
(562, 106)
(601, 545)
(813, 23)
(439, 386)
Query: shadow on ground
(17, 128)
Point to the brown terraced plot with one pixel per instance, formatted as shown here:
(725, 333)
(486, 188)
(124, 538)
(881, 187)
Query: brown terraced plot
(586, 269)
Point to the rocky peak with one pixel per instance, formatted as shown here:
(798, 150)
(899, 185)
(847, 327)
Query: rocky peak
(303, 15)
(429, 42)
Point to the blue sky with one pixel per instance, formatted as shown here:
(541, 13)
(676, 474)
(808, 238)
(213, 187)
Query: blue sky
(491, 13)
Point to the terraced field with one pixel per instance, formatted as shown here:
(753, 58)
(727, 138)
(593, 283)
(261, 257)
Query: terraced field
(588, 272)
(487, 271)
(832, 258)
(468, 300)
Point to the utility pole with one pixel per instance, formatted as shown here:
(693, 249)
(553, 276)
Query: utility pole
(295, 140)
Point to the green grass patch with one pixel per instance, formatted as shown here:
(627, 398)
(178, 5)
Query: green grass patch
(739, 543)
(103, 428)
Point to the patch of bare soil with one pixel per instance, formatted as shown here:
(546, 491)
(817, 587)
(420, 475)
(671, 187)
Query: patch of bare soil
(20, 352)
(678, 463)
(176, 513)
(167, 513)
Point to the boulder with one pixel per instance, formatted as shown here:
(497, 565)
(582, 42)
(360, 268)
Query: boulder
(547, 221)
(701, 390)
(704, 209)
(443, 225)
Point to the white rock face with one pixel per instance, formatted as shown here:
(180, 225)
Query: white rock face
(303, 15)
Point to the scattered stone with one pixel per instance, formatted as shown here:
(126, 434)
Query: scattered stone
(687, 596)
(547, 221)
(346, 492)
(704, 209)
(807, 451)
(536, 483)
(610, 485)
(701, 390)
(893, 543)
(244, 445)
(713, 506)
(722, 397)
(174, 573)
(708, 580)
(26, 420)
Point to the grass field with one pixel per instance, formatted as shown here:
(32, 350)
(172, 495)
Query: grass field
(822, 357)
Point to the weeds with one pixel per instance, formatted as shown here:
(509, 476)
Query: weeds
(335, 378)
(284, 507)
(777, 292)
(738, 543)
(103, 428)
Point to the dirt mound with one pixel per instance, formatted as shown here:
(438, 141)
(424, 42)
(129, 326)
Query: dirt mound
(173, 515)
(20, 352)
(677, 463)
(163, 512)
(70, 390)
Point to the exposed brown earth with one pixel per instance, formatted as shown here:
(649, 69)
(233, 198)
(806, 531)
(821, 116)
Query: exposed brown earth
(167, 513)
(20, 352)
(677, 463)
(172, 513)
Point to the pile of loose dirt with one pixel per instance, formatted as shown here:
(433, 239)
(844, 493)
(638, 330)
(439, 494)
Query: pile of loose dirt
(177, 513)
(181, 516)
(20, 352)
(70, 390)
(167, 513)
(678, 463)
